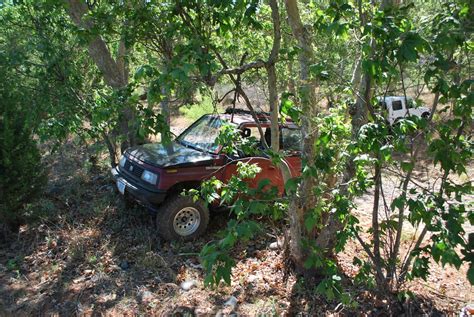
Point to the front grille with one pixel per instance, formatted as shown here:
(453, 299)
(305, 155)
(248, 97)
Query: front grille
(133, 169)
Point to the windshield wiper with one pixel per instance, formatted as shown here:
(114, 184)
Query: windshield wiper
(189, 145)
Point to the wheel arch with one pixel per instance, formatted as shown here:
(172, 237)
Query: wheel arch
(178, 188)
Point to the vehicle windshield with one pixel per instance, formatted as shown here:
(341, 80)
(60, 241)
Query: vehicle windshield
(202, 134)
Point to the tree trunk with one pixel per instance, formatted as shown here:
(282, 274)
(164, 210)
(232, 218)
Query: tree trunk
(272, 88)
(111, 149)
(165, 105)
(98, 50)
(290, 80)
(167, 53)
(304, 200)
(327, 238)
(272, 77)
(114, 72)
(355, 80)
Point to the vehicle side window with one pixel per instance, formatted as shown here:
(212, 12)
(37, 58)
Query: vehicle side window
(251, 142)
(292, 140)
(255, 133)
(397, 105)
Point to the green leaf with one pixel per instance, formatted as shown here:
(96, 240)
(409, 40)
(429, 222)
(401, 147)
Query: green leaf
(310, 222)
(407, 166)
(420, 268)
(398, 202)
(291, 185)
(143, 72)
(470, 274)
(464, 11)
(319, 71)
(263, 183)
(370, 67)
(229, 240)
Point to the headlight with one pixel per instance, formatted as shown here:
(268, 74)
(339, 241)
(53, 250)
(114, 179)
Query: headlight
(149, 177)
(122, 161)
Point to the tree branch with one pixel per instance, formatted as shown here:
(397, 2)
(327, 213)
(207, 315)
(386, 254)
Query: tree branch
(97, 47)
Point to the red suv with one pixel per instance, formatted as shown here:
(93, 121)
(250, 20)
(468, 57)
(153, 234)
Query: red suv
(156, 174)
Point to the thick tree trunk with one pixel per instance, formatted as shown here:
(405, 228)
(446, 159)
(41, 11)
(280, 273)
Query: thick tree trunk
(304, 200)
(355, 80)
(114, 72)
(290, 80)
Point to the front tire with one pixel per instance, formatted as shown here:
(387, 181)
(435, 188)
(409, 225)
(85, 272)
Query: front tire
(180, 218)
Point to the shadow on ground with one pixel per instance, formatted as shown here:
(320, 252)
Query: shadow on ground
(88, 254)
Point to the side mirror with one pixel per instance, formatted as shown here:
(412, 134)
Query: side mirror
(246, 132)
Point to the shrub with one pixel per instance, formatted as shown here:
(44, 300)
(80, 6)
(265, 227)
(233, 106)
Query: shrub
(21, 170)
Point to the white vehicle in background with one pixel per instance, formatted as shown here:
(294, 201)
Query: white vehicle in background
(399, 107)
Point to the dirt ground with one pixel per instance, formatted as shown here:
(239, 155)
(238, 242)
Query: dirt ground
(90, 255)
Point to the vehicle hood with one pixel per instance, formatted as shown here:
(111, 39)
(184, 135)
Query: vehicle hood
(174, 154)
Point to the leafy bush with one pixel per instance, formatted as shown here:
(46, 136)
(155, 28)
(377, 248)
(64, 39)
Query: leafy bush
(21, 170)
(245, 203)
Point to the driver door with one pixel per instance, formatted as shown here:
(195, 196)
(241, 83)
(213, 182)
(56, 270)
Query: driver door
(268, 170)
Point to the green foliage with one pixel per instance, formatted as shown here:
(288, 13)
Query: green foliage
(245, 202)
(22, 171)
(57, 79)
(442, 217)
(395, 49)
(23, 174)
(234, 144)
(288, 108)
(193, 112)
(440, 212)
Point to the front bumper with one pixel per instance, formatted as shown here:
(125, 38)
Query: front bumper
(144, 196)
